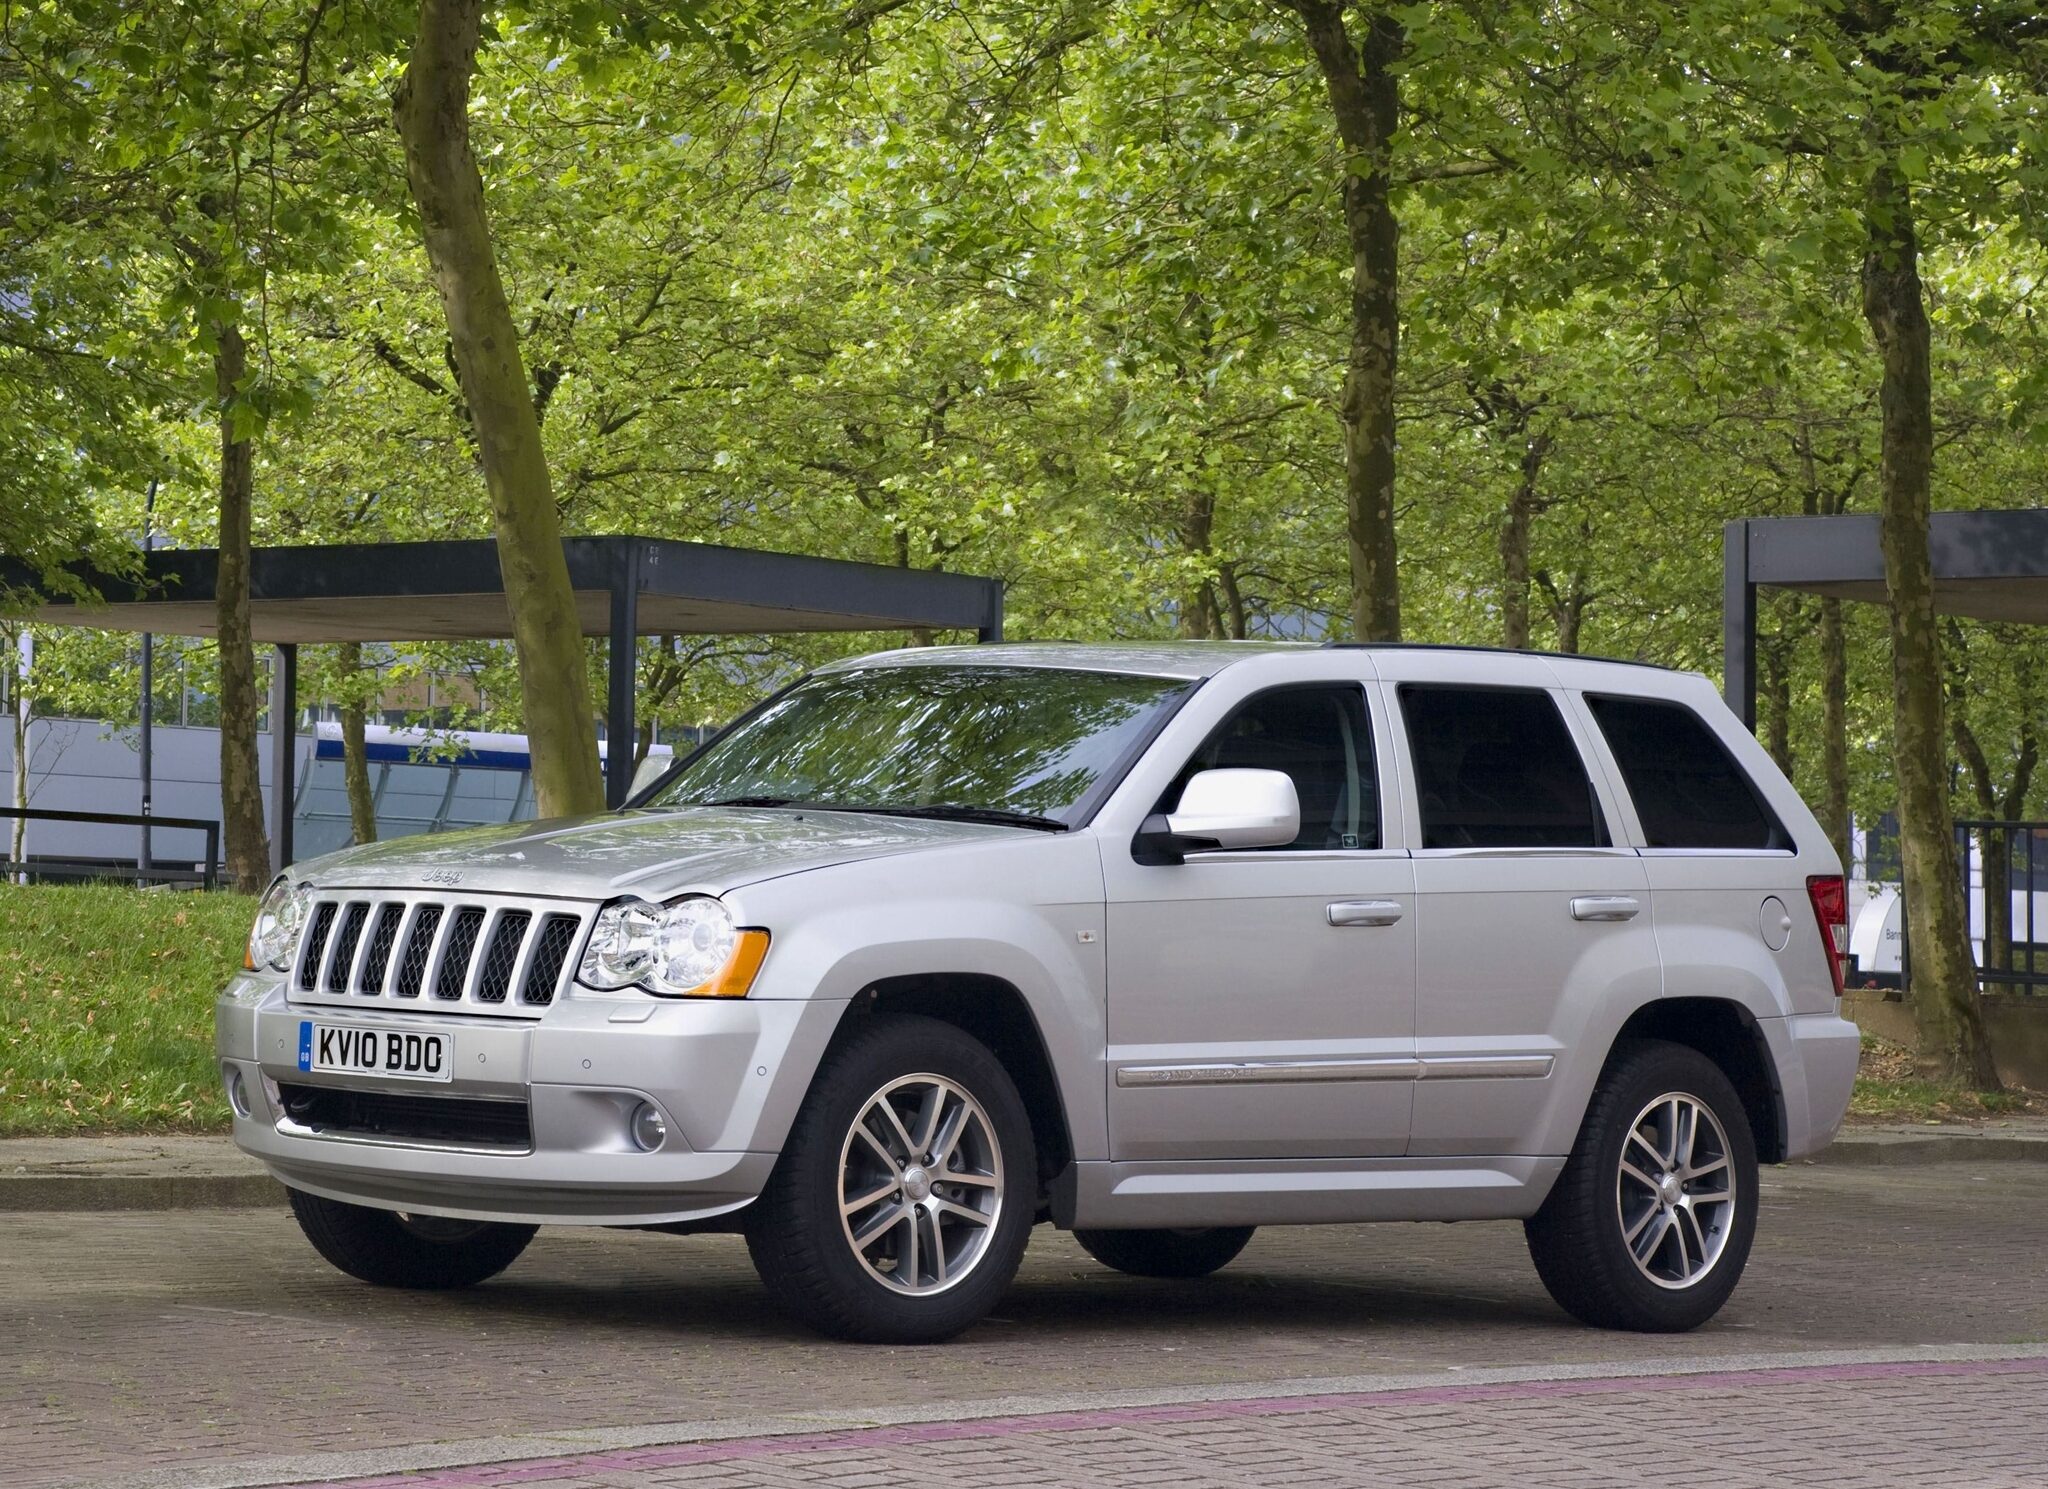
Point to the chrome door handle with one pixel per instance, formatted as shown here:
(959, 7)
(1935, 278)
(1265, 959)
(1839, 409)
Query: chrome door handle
(1364, 912)
(1604, 907)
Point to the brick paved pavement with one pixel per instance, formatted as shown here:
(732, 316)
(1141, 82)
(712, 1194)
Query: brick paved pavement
(1982, 1424)
(212, 1339)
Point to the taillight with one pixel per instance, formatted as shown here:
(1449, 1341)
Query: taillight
(1830, 896)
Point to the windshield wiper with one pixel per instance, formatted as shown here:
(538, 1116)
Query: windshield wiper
(947, 811)
(754, 801)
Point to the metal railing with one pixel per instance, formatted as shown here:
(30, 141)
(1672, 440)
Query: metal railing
(2013, 954)
(206, 875)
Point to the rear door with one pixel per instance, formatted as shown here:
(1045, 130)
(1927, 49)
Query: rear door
(1532, 913)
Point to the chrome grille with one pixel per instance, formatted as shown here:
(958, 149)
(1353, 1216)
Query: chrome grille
(412, 971)
(443, 953)
(318, 926)
(499, 954)
(461, 947)
(550, 952)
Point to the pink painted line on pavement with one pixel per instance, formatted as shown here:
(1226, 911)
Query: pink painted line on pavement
(678, 1455)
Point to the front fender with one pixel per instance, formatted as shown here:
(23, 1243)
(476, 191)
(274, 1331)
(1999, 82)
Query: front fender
(1028, 914)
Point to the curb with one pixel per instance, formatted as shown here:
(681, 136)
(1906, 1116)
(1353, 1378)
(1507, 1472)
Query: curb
(66, 1193)
(1888, 1151)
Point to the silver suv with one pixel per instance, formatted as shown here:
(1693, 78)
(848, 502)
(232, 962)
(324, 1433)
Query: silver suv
(1156, 943)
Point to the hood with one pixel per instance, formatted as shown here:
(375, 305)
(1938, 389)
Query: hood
(647, 852)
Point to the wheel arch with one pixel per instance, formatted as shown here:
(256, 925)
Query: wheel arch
(1726, 1033)
(994, 1011)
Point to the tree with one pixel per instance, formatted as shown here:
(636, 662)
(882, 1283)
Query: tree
(1365, 101)
(432, 111)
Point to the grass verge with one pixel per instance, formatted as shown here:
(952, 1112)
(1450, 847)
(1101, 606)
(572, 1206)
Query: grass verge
(1890, 1089)
(106, 1007)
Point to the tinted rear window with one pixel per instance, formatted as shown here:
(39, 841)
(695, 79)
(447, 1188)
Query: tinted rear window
(1496, 768)
(1688, 790)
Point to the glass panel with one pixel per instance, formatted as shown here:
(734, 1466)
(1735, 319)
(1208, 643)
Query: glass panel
(1496, 768)
(1018, 739)
(1320, 737)
(1688, 790)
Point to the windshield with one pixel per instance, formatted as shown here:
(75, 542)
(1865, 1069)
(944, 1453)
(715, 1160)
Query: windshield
(1011, 740)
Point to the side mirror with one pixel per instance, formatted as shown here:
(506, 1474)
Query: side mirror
(1223, 809)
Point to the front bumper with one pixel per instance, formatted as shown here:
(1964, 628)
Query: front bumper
(726, 1075)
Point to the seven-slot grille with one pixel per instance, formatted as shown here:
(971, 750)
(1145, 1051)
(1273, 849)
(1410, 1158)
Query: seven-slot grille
(438, 954)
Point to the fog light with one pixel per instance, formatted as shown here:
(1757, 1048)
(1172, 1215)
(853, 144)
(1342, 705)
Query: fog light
(238, 1094)
(649, 1130)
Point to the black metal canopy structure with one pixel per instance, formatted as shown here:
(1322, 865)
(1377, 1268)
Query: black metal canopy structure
(626, 587)
(1987, 566)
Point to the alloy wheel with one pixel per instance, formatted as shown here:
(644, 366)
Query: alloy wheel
(1674, 1190)
(921, 1184)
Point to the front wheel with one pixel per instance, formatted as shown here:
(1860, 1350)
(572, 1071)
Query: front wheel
(1650, 1223)
(902, 1201)
(1166, 1253)
(392, 1249)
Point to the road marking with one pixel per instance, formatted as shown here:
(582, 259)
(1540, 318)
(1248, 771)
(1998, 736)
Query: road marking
(512, 1460)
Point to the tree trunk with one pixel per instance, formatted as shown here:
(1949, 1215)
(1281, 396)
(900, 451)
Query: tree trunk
(241, 780)
(1201, 617)
(1775, 689)
(432, 111)
(1834, 727)
(355, 755)
(17, 718)
(1943, 980)
(1513, 544)
(1365, 97)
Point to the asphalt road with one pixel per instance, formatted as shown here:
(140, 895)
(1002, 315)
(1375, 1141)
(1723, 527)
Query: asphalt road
(212, 1347)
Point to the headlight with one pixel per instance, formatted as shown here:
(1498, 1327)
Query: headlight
(278, 920)
(689, 948)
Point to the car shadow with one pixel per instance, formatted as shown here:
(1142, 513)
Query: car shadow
(735, 1305)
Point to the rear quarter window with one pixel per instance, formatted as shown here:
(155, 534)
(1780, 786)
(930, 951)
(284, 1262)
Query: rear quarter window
(1687, 788)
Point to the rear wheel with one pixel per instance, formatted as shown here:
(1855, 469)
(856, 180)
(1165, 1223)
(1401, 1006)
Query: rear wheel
(393, 1249)
(1650, 1223)
(1166, 1253)
(906, 1192)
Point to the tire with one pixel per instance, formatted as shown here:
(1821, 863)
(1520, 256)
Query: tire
(394, 1250)
(873, 1275)
(1691, 1236)
(1166, 1253)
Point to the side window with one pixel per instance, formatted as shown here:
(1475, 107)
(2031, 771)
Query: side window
(1321, 737)
(1496, 768)
(1687, 788)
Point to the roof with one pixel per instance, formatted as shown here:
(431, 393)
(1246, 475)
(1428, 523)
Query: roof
(1987, 565)
(1188, 659)
(453, 590)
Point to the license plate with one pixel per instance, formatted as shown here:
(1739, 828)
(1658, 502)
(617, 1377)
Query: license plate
(340, 1049)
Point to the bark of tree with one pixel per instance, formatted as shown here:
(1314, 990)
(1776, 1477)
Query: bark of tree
(1817, 500)
(1200, 614)
(355, 755)
(1513, 543)
(1834, 726)
(246, 843)
(1365, 98)
(1775, 695)
(431, 108)
(1943, 980)
(17, 722)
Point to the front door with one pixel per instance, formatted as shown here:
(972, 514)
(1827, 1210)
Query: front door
(1261, 1003)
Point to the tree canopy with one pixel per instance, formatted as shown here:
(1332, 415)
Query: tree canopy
(1213, 318)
